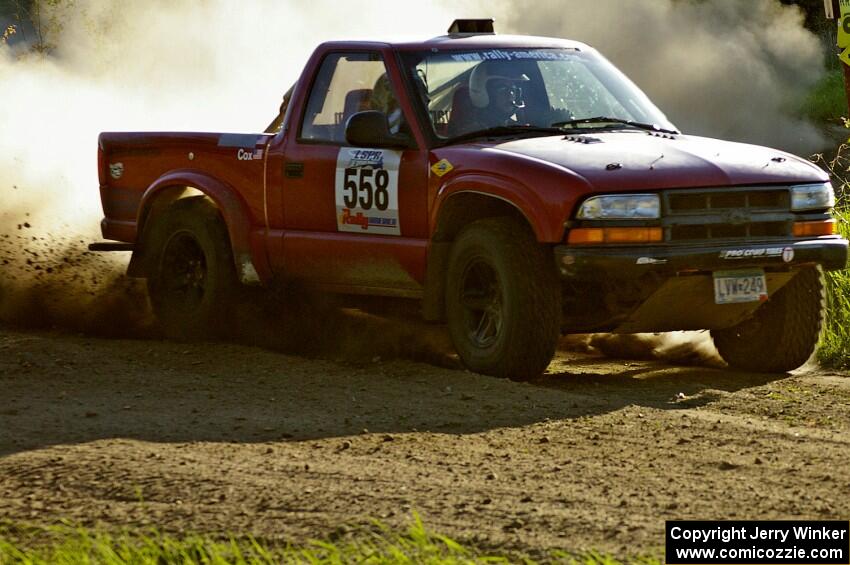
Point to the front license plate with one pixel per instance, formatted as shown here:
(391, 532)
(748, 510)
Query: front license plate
(731, 287)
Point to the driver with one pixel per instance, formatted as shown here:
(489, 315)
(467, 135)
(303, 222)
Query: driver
(495, 90)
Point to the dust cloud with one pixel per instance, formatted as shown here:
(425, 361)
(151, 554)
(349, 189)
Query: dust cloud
(734, 69)
(678, 348)
(728, 69)
(154, 66)
(145, 66)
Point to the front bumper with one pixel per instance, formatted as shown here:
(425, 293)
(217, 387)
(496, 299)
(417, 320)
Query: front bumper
(629, 262)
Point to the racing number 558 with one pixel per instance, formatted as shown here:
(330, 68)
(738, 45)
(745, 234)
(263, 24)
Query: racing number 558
(359, 188)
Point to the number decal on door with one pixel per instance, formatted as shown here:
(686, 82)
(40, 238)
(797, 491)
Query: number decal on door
(367, 191)
(366, 187)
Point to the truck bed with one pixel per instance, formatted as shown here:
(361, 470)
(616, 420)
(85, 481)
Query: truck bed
(132, 165)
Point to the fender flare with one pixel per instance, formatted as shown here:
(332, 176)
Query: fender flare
(232, 207)
(509, 191)
(520, 197)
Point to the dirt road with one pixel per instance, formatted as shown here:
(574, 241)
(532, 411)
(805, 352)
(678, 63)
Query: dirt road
(231, 438)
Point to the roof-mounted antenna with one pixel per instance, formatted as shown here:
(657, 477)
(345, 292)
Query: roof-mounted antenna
(472, 26)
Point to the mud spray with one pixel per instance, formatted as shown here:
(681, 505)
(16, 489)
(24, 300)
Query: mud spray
(156, 65)
(219, 66)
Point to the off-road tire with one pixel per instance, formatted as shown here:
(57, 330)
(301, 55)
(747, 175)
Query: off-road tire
(783, 332)
(523, 288)
(192, 279)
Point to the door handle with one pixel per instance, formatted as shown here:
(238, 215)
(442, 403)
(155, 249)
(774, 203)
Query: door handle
(294, 170)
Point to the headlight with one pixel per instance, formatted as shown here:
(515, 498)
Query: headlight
(812, 197)
(621, 207)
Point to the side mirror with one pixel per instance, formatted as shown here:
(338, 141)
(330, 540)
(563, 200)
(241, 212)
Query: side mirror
(371, 129)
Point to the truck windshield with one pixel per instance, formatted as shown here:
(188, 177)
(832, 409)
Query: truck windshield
(470, 91)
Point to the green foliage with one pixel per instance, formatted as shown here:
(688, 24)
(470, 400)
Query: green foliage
(814, 15)
(834, 348)
(378, 545)
(46, 18)
(7, 33)
(827, 100)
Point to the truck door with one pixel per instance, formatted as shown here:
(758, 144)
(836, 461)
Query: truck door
(353, 217)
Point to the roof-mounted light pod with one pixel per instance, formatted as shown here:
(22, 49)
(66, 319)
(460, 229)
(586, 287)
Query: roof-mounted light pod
(472, 26)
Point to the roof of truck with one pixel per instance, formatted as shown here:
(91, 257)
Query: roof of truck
(466, 41)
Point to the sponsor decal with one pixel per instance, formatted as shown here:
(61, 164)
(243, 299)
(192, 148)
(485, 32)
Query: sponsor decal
(762, 253)
(366, 191)
(249, 155)
(358, 158)
(442, 167)
(116, 170)
(365, 221)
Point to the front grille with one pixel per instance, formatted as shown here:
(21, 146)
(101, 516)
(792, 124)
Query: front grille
(704, 202)
(759, 230)
(727, 214)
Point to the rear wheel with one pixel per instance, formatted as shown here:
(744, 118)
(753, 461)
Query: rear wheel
(503, 300)
(783, 333)
(192, 279)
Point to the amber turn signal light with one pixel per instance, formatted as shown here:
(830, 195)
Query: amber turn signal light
(821, 227)
(585, 236)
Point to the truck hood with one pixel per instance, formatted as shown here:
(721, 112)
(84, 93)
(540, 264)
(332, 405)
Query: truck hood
(639, 160)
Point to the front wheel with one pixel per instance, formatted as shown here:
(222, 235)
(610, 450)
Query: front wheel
(503, 300)
(783, 332)
(192, 278)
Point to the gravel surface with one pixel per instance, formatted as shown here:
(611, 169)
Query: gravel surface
(221, 438)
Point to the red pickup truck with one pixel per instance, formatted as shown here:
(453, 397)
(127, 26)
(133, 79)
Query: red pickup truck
(519, 188)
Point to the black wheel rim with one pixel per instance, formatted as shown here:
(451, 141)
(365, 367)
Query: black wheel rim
(184, 271)
(482, 304)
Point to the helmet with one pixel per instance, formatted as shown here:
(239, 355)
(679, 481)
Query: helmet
(487, 71)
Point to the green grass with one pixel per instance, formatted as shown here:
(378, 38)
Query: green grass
(67, 545)
(834, 348)
(827, 101)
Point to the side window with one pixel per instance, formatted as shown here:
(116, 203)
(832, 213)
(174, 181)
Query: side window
(347, 83)
(443, 87)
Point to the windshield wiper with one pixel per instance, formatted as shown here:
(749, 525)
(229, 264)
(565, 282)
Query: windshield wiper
(609, 120)
(502, 131)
